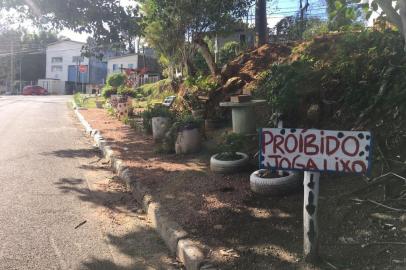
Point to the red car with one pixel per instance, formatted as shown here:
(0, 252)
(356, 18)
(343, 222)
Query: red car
(34, 90)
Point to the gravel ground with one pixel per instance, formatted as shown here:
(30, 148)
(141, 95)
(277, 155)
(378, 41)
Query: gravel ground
(246, 231)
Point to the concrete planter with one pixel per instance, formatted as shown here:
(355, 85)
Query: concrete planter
(280, 185)
(160, 125)
(228, 166)
(188, 141)
(99, 104)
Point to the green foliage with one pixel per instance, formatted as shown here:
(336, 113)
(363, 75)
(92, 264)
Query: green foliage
(151, 112)
(126, 91)
(203, 83)
(282, 85)
(108, 91)
(356, 79)
(168, 22)
(107, 20)
(344, 13)
(79, 100)
(229, 51)
(230, 144)
(116, 79)
(186, 121)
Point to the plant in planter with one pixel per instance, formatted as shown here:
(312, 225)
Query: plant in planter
(185, 134)
(272, 182)
(229, 160)
(197, 107)
(156, 120)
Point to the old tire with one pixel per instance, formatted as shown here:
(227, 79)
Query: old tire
(275, 186)
(222, 166)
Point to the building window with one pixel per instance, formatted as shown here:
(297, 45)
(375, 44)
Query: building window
(57, 60)
(130, 65)
(115, 67)
(56, 68)
(77, 59)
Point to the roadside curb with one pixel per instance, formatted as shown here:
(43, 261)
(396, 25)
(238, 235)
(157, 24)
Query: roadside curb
(190, 253)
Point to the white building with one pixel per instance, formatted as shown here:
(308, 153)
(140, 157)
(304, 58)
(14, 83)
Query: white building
(63, 57)
(117, 64)
(65, 64)
(145, 66)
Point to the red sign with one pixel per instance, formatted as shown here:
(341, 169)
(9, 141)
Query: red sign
(83, 68)
(316, 150)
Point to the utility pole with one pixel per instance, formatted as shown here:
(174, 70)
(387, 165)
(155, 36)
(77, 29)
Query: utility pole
(261, 23)
(12, 75)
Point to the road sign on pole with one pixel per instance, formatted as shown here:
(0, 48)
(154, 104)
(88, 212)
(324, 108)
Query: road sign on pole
(83, 68)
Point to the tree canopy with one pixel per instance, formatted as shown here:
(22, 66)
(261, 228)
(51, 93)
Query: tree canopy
(190, 21)
(107, 20)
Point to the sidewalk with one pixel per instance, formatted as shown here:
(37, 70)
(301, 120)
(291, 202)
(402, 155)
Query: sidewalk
(245, 231)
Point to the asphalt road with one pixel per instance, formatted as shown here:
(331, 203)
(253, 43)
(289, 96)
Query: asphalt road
(44, 195)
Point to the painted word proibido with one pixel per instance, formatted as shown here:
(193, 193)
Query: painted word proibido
(316, 150)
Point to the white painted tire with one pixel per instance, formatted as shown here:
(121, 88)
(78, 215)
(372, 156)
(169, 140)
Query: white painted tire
(222, 166)
(275, 186)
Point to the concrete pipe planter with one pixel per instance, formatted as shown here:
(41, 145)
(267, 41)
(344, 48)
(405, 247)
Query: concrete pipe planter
(228, 166)
(160, 126)
(274, 184)
(99, 104)
(188, 141)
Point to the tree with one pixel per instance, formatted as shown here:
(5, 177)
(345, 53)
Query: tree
(193, 20)
(395, 12)
(261, 22)
(106, 19)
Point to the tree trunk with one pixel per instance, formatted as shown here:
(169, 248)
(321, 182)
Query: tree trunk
(261, 24)
(398, 19)
(207, 55)
(402, 13)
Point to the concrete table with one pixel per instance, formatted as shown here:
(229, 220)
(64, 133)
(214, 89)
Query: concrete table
(243, 115)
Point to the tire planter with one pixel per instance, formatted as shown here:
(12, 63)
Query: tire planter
(275, 186)
(160, 125)
(188, 141)
(228, 166)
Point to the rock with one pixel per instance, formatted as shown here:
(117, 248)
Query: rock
(233, 85)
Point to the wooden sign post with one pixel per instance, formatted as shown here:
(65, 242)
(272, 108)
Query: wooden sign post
(313, 151)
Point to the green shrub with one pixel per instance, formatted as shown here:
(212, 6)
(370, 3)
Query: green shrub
(230, 144)
(187, 121)
(156, 111)
(116, 79)
(229, 52)
(108, 91)
(126, 91)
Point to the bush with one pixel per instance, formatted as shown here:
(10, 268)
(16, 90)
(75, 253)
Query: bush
(230, 145)
(229, 51)
(187, 121)
(108, 91)
(126, 91)
(116, 79)
(156, 111)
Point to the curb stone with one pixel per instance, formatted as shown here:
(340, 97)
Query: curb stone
(189, 252)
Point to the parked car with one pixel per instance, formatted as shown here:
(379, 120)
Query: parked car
(34, 90)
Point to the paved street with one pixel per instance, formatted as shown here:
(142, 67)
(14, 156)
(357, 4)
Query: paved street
(45, 165)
